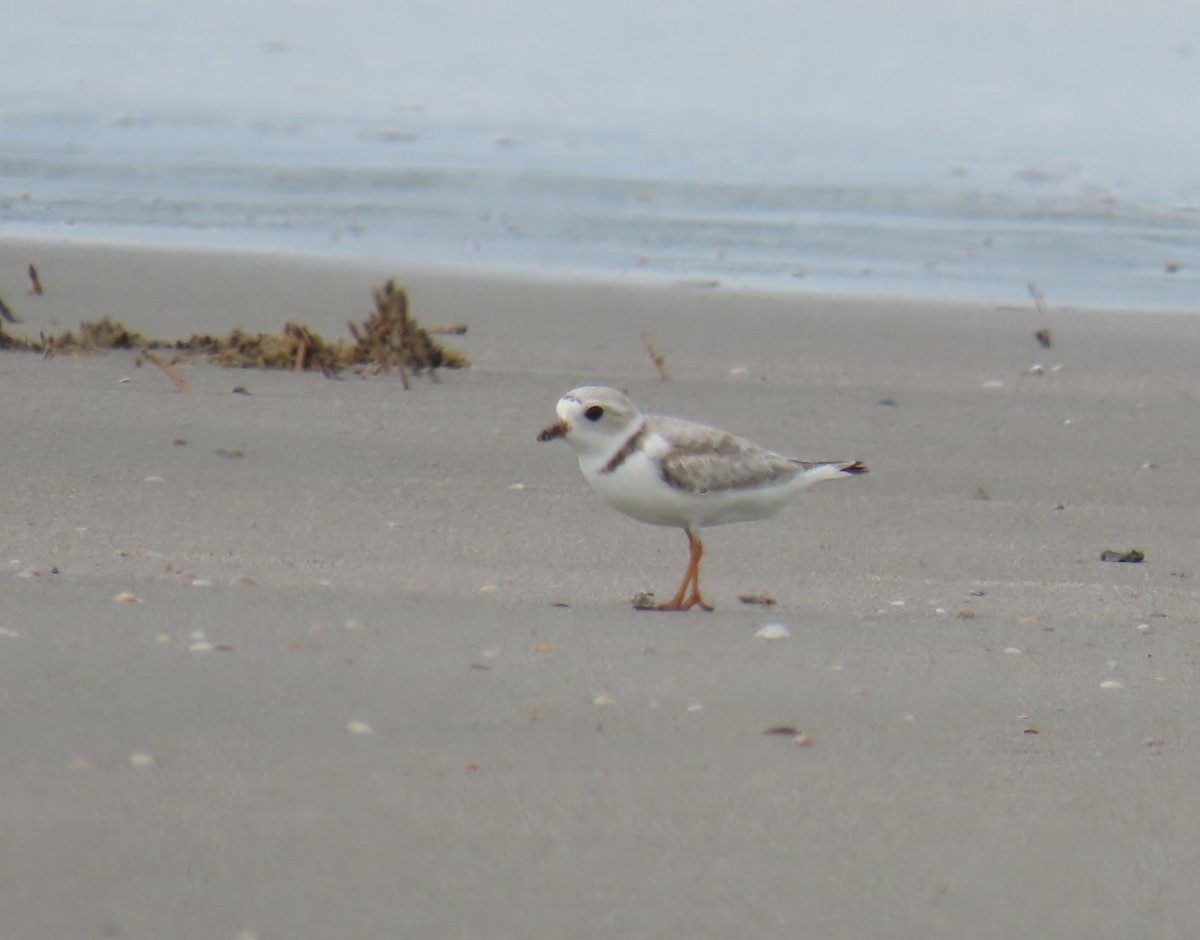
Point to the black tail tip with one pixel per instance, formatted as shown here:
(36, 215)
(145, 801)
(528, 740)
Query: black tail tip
(855, 468)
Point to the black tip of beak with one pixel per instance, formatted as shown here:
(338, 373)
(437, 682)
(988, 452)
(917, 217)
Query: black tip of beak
(558, 429)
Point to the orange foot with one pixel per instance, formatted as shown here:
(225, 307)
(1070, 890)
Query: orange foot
(688, 595)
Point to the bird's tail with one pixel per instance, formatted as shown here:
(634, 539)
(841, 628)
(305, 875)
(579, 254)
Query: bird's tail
(817, 470)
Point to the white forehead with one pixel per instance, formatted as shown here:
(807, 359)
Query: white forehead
(602, 395)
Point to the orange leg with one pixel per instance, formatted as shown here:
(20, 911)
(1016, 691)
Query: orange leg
(684, 598)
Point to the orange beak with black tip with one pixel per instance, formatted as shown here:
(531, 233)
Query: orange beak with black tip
(556, 430)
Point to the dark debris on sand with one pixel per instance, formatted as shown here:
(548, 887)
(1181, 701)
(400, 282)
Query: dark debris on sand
(389, 339)
(1134, 556)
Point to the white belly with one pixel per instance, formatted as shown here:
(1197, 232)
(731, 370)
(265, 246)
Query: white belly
(638, 490)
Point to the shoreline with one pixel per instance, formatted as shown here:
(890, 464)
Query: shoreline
(633, 279)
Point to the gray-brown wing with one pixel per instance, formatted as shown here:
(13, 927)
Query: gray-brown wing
(706, 460)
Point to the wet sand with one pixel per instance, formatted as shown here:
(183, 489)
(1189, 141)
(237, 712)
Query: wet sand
(429, 710)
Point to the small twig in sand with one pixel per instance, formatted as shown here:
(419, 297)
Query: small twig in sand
(35, 285)
(168, 370)
(659, 360)
(1043, 335)
(1039, 301)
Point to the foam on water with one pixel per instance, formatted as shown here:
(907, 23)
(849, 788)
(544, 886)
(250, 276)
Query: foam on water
(922, 149)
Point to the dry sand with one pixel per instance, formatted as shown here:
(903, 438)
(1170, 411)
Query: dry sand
(1002, 730)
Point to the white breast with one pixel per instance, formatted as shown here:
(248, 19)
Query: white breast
(637, 488)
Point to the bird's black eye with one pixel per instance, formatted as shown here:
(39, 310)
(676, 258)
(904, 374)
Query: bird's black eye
(594, 413)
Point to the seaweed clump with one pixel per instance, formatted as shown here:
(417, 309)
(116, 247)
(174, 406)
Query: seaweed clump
(93, 335)
(388, 339)
(18, 343)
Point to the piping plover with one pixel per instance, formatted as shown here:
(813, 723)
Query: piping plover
(672, 472)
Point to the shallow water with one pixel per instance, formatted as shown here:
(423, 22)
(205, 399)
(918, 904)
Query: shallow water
(925, 151)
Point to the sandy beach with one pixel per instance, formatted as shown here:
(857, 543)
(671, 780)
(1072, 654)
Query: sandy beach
(382, 677)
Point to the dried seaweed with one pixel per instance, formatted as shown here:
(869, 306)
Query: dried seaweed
(93, 335)
(388, 339)
(391, 337)
(18, 343)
